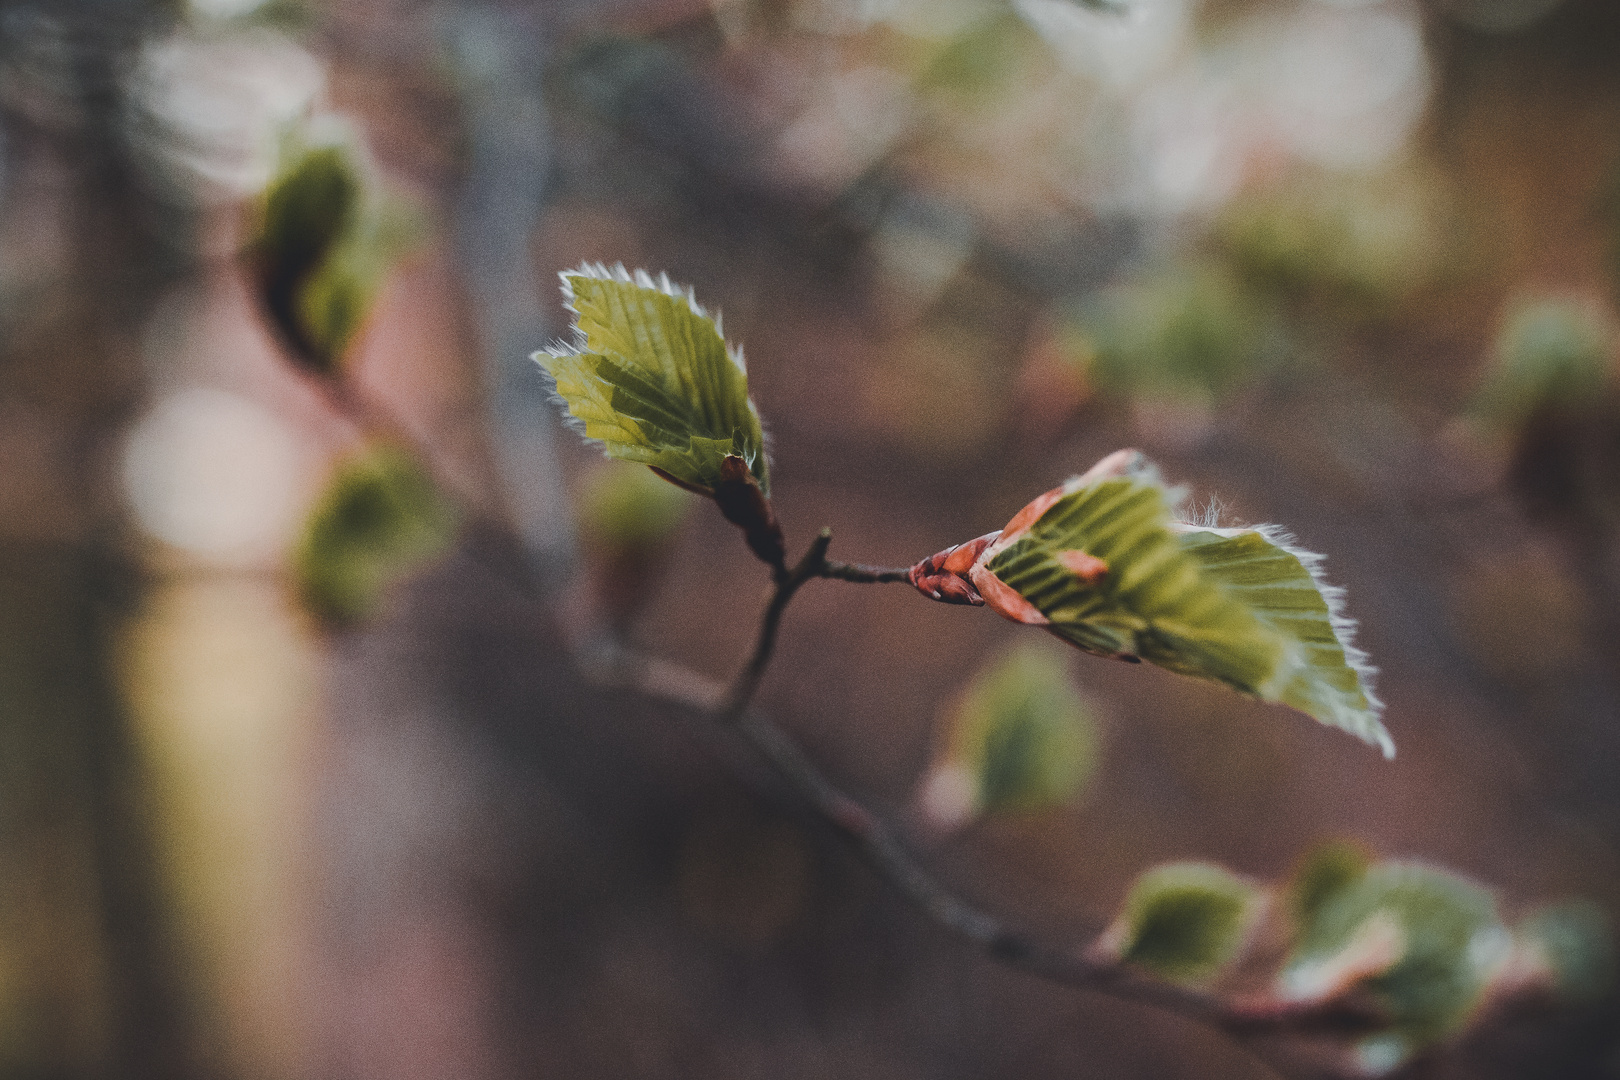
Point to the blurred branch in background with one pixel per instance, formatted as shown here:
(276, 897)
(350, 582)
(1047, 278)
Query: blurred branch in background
(87, 944)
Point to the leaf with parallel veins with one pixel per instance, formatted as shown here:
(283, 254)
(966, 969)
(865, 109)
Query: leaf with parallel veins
(1102, 562)
(650, 376)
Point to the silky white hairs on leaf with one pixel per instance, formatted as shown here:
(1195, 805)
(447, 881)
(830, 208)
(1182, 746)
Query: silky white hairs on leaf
(642, 279)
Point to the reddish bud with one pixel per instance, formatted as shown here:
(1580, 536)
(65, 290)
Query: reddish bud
(745, 506)
(944, 577)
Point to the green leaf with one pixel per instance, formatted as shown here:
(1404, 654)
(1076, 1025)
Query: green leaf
(981, 58)
(1021, 739)
(1423, 941)
(380, 520)
(1575, 942)
(1237, 606)
(1550, 353)
(323, 246)
(650, 376)
(1186, 922)
(1282, 584)
(1154, 602)
(1189, 332)
(1326, 871)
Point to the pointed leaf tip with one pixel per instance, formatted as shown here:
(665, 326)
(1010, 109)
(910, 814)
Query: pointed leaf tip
(650, 377)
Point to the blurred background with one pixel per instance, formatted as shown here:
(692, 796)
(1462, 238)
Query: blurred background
(1347, 265)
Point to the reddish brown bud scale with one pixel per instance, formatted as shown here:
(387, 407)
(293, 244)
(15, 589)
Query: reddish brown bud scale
(1088, 568)
(959, 575)
(943, 577)
(1005, 600)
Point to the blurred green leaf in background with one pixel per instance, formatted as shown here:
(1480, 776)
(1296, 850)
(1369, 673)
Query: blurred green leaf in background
(380, 520)
(1325, 871)
(323, 243)
(1185, 922)
(1424, 942)
(1021, 739)
(1552, 353)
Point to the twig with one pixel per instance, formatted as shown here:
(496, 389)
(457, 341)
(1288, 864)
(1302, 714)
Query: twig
(1077, 968)
(870, 834)
(871, 575)
(742, 691)
(884, 850)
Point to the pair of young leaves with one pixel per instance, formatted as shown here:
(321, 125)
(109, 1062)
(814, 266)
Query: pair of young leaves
(1102, 561)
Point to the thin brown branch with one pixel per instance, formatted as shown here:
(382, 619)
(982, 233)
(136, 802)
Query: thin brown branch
(875, 839)
(887, 853)
(742, 690)
(859, 572)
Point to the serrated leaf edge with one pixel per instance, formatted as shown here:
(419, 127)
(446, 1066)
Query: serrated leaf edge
(562, 350)
(1344, 627)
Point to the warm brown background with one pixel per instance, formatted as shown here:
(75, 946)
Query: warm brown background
(231, 845)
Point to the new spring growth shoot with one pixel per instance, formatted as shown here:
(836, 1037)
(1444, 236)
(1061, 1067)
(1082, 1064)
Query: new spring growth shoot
(1408, 955)
(649, 375)
(1102, 561)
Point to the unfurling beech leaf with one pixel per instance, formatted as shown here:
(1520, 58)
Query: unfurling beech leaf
(1423, 942)
(1326, 871)
(379, 521)
(650, 376)
(1573, 942)
(1102, 562)
(1185, 922)
(1021, 739)
(321, 248)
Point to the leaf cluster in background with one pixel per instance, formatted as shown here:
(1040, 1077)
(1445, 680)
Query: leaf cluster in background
(650, 376)
(1020, 739)
(380, 520)
(1425, 947)
(323, 244)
